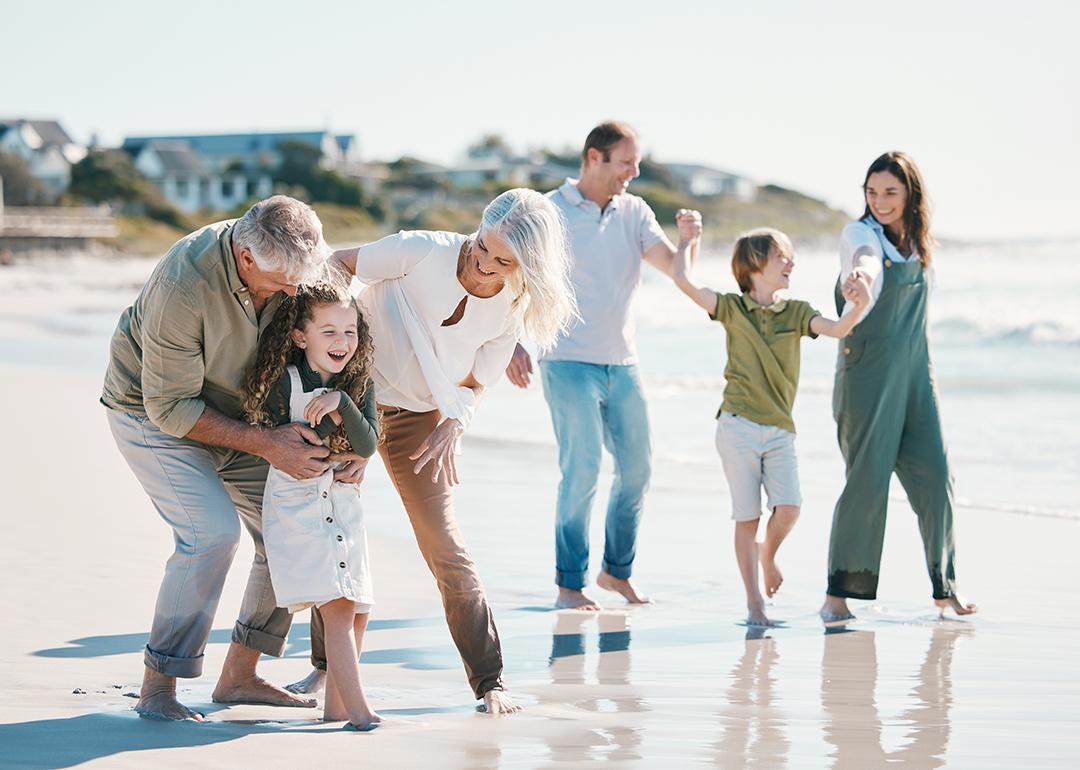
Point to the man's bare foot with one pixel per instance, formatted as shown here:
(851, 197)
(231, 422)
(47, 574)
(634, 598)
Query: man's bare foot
(498, 702)
(239, 683)
(755, 616)
(310, 685)
(622, 588)
(574, 599)
(957, 604)
(770, 573)
(157, 699)
(835, 612)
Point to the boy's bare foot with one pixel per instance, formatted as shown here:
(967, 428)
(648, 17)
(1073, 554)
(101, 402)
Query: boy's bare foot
(574, 599)
(835, 612)
(622, 588)
(957, 604)
(755, 616)
(310, 684)
(498, 702)
(770, 573)
(157, 699)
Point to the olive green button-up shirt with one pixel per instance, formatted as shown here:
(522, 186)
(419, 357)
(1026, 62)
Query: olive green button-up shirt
(189, 337)
(763, 349)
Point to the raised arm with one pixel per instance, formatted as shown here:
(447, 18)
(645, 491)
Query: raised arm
(389, 257)
(856, 291)
(662, 255)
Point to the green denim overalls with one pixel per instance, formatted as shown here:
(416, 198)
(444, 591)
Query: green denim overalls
(885, 404)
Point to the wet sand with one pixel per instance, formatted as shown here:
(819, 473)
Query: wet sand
(677, 684)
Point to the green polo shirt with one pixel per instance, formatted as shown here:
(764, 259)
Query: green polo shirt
(189, 337)
(763, 344)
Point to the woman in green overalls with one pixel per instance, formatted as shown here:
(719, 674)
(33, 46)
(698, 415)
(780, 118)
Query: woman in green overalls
(885, 400)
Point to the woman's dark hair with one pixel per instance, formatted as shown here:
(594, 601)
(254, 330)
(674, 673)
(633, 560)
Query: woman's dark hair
(916, 218)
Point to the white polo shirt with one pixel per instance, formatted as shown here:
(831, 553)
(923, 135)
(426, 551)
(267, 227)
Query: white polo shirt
(607, 248)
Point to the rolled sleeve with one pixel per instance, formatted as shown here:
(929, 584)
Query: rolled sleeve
(494, 356)
(393, 256)
(172, 360)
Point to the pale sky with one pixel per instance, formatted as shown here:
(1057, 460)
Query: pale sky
(803, 94)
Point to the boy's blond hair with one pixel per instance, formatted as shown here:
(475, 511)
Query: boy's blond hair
(751, 253)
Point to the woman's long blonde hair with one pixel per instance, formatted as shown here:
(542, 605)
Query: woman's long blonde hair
(276, 351)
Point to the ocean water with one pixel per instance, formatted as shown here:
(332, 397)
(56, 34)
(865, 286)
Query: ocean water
(1006, 352)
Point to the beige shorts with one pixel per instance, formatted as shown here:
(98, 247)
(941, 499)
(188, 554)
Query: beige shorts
(753, 456)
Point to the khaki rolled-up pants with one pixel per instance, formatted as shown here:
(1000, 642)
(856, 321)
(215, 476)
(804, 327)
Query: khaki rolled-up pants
(430, 509)
(203, 493)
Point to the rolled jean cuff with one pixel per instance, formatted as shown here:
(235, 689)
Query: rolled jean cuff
(572, 580)
(184, 668)
(620, 571)
(254, 639)
(492, 684)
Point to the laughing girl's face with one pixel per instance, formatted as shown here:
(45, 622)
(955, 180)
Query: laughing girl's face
(329, 339)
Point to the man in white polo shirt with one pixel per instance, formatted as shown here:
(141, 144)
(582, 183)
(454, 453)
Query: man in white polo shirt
(590, 377)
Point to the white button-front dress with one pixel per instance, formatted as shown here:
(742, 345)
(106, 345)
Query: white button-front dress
(316, 543)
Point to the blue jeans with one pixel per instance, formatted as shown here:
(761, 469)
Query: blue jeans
(594, 406)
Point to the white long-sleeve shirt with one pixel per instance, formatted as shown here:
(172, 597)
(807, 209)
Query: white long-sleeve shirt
(864, 247)
(425, 264)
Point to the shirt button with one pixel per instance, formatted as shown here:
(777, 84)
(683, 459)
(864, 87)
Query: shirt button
(324, 494)
(341, 564)
(245, 302)
(329, 519)
(888, 263)
(340, 538)
(847, 351)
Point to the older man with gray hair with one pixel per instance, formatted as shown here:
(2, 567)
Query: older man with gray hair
(177, 362)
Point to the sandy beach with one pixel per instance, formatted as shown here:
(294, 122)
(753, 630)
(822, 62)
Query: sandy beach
(679, 683)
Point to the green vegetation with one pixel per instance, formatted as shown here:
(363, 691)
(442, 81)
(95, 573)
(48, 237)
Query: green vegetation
(110, 176)
(20, 187)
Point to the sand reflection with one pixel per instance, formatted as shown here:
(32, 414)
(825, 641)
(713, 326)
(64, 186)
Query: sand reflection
(853, 726)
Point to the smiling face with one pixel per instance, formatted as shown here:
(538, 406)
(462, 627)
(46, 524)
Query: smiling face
(488, 262)
(614, 174)
(886, 197)
(329, 338)
(776, 274)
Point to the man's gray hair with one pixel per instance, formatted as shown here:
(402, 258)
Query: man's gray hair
(284, 235)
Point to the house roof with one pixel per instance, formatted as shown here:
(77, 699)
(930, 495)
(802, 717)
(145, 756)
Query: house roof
(229, 145)
(50, 131)
(177, 158)
(690, 169)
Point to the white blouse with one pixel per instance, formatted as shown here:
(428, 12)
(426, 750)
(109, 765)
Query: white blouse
(864, 246)
(423, 266)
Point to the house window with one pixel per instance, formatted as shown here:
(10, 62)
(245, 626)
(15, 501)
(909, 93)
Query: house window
(227, 188)
(181, 188)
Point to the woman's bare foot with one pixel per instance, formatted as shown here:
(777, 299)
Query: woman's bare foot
(498, 702)
(310, 684)
(239, 683)
(770, 573)
(574, 599)
(835, 612)
(157, 699)
(755, 616)
(622, 588)
(957, 604)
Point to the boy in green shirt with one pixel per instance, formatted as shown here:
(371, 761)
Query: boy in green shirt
(755, 433)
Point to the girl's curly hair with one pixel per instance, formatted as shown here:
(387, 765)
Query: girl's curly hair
(276, 351)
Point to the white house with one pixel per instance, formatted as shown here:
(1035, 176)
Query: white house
(703, 182)
(190, 183)
(46, 147)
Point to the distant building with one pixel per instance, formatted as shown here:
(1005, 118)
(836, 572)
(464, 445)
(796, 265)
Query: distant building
(704, 182)
(46, 147)
(220, 171)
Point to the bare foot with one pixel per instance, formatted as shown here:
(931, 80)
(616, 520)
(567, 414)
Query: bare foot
(498, 702)
(366, 726)
(835, 612)
(255, 689)
(755, 616)
(770, 573)
(622, 588)
(957, 604)
(157, 699)
(310, 684)
(573, 599)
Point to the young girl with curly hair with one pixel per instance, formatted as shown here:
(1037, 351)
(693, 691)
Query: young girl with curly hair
(314, 366)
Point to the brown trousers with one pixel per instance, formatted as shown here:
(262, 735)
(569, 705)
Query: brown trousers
(431, 510)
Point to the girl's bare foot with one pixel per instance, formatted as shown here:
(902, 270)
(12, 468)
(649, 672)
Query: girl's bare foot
(835, 612)
(575, 599)
(364, 725)
(957, 604)
(622, 588)
(310, 684)
(770, 573)
(157, 699)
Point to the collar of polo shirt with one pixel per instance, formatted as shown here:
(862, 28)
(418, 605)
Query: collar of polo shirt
(751, 304)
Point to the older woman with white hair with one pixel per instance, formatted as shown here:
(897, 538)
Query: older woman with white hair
(445, 311)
